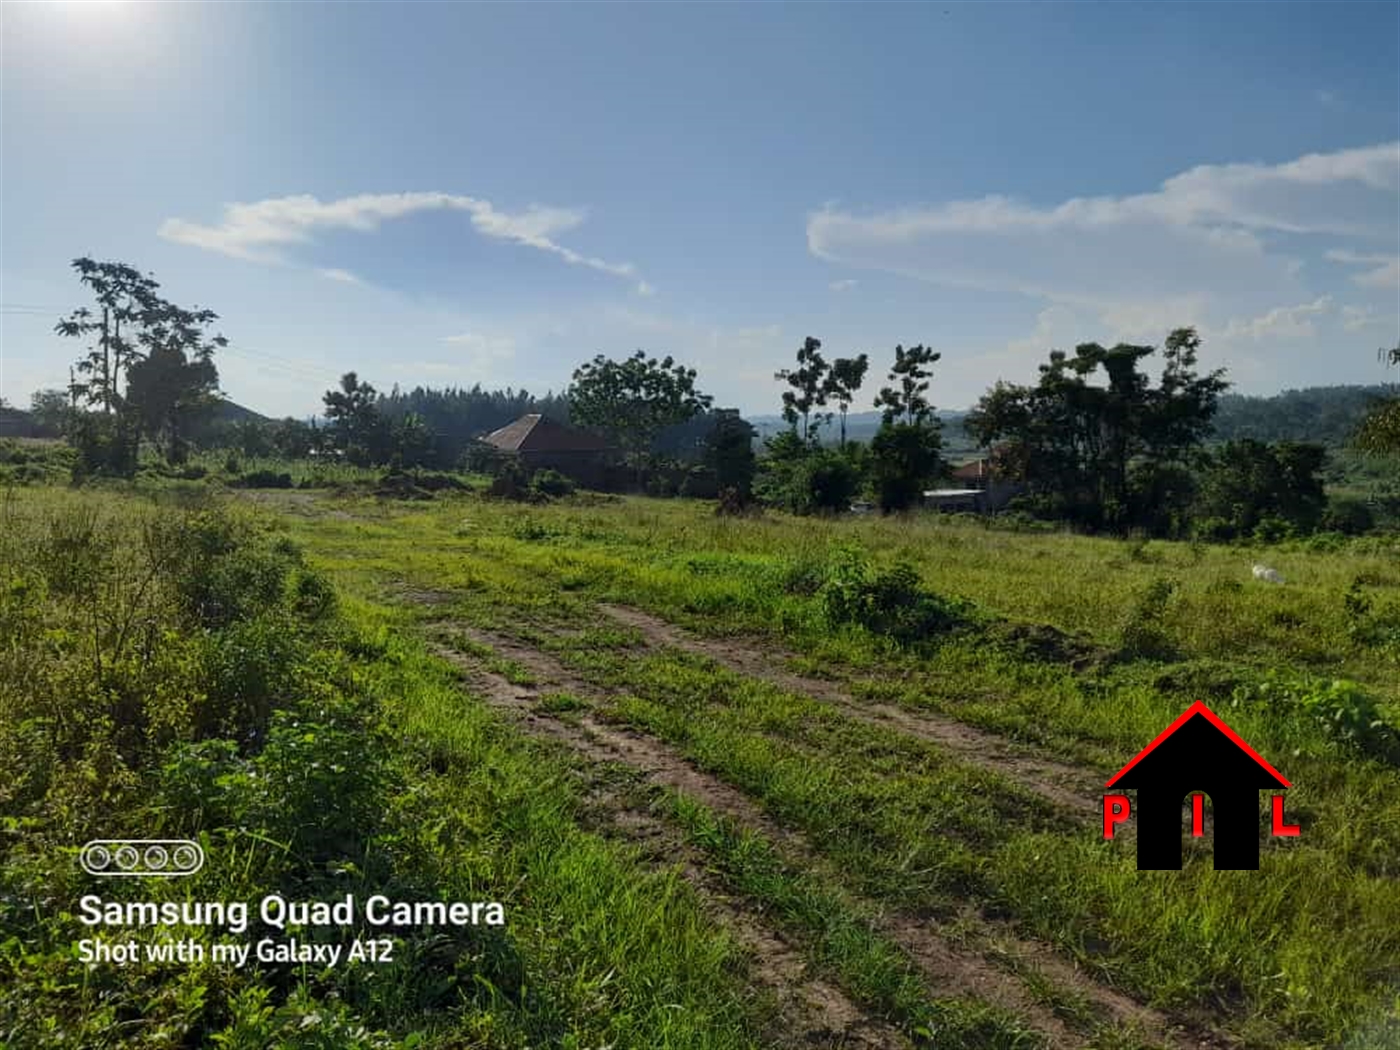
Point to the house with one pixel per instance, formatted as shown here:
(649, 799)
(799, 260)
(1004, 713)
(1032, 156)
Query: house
(977, 486)
(1198, 752)
(541, 443)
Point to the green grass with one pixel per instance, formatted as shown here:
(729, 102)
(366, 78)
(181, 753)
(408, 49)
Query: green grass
(603, 947)
(377, 772)
(1298, 954)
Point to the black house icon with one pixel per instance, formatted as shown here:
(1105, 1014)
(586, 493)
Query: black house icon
(1198, 752)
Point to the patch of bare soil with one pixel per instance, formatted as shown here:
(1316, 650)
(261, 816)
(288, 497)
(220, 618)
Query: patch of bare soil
(1065, 785)
(948, 968)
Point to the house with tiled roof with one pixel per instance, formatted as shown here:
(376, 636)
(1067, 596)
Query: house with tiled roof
(541, 443)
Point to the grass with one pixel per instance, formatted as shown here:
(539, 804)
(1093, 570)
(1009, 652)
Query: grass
(1299, 954)
(604, 947)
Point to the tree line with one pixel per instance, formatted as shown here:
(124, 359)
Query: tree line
(1096, 441)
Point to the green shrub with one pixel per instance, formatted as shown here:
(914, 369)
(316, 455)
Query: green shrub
(892, 602)
(263, 479)
(1349, 516)
(552, 483)
(1344, 710)
(1144, 634)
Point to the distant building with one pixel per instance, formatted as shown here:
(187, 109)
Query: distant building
(977, 486)
(543, 444)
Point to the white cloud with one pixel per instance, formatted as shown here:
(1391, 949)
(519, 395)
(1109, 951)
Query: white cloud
(343, 276)
(1283, 322)
(1358, 318)
(844, 285)
(1385, 272)
(1198, 250)
(259, 231)
(645, 289)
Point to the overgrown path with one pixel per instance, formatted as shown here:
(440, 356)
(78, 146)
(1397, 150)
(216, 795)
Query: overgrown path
(813, 1010)
(950, 965)
(1070, 787)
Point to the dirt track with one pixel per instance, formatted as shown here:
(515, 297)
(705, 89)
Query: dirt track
(949, 968)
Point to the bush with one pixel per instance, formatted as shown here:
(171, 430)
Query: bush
(1274, 530)
(510, 481)
(892, 603)
(1144, 634)
(552, 483)
(1349, 516)
(806, 480)
(1341, 707)
(262, 479)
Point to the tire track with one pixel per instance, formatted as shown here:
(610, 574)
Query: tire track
(1069, 787)
(812, 1011)
(946, 967)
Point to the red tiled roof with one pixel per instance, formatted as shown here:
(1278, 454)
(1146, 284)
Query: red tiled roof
(537, 433)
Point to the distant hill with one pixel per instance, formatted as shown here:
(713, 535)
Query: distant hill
(1325, 415)
(227, 412)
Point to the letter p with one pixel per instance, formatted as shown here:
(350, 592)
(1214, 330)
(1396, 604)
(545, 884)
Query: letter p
(1115, 811)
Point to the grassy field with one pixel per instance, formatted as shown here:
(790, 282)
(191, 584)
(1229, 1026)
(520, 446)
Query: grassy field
(737, 782)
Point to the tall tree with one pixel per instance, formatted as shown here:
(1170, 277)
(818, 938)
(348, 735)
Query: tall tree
(149, 368)
(357, 428)
(125, 298)
(843, 383)
(905, 401)
(634, 399)
(809, 389)
(1093, 439)
(729, 453)
(905, 452)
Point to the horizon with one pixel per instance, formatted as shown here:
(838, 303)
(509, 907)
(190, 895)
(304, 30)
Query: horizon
(711, 183)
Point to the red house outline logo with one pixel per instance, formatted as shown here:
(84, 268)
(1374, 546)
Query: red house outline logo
(1196, 753)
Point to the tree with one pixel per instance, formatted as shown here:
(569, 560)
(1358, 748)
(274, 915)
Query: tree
(809, 389)
(805, 479)
(905, 451)
(356, 426)
(124, 296)
(1380, 431)
(1246, 483)
(411, 439)
(843, 383)
(167, 391)
(51, 410)
(1103, 453)
(729, 453)
(163, 353)
(911, 370)
(634, 399)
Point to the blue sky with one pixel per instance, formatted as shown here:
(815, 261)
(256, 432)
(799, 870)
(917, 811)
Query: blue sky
(453, 193)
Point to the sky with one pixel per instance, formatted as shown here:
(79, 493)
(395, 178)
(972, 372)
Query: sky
(444, 194)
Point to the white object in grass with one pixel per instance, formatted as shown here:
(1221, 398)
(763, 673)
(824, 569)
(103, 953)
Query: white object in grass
(1263, 572)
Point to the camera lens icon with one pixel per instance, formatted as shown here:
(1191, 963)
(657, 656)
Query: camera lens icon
(187, 858)
(141, 857)
(96, 857)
